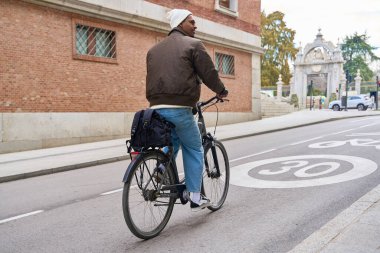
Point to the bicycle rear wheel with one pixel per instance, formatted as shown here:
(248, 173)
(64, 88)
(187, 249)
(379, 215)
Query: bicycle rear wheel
(214, 185)
(146, 210)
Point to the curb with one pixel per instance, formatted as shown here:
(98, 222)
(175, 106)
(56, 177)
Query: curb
(61, 169)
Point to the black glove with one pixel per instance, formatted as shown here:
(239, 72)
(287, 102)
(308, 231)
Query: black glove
(194, 110)
(223, 94)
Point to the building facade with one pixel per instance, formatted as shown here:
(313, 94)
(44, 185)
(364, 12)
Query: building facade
(74, 71)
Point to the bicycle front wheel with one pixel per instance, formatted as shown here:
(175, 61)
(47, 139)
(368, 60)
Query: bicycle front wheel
(215, 183)
(146, 209)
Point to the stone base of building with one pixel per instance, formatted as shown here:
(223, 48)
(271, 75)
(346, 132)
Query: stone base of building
(29, 131)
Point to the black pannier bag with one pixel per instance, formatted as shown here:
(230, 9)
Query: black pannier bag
(149, 130)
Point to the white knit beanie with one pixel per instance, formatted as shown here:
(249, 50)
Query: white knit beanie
(176, 16)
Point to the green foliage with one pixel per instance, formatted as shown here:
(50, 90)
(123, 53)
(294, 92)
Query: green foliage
(358, 54)
(368, 87)
(318, 92)
(332, 97)
(277, 40)
(294, 100)
(314, 91)
(358, 63)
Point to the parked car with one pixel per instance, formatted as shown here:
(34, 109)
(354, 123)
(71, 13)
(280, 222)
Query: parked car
(360, 102)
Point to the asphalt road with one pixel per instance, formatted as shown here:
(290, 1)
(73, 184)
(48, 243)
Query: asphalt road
(284, 186)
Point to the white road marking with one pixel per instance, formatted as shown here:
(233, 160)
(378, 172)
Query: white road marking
(20, 216)
(361, 167)
(365, 134)
(344, 131)
(373, 124)
(319, 137)
(300, 142)
(352, 142)
(121, 189)
(243, 157)
(111, 192)
(327, 144)
(322, 136)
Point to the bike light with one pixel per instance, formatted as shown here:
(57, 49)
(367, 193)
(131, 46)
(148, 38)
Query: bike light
(134, 155)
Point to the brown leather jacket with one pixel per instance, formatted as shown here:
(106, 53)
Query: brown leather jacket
(175, 68)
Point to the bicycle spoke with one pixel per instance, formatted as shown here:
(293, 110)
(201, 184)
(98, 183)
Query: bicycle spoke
(145, 212)
(215, 183)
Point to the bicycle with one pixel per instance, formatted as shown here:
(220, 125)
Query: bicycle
(152, 185)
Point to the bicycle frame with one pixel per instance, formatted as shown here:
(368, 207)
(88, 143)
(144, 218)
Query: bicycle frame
(178, 187)
(153, 186)
(140, 155)
(206, 136)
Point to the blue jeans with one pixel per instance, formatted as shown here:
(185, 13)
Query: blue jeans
(186, 135)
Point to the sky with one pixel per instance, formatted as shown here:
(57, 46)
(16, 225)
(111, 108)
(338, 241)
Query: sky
(336, 19)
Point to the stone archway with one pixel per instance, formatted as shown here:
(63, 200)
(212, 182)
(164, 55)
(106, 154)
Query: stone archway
(320, 62)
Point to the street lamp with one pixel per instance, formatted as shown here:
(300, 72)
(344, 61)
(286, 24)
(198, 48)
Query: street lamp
(377, 92)
(348, 80)
(311, 93)
(339, 91)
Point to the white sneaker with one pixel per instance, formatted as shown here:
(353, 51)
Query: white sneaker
(203, 203)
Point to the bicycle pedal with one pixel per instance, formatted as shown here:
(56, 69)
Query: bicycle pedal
(183, 201)
(184, 197)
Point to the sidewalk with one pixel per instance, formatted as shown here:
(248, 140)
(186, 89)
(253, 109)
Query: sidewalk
(356, 229)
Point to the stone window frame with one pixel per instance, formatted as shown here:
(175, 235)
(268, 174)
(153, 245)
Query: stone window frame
(232, 10)
(92, 56)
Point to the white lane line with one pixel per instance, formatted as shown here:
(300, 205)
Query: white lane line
(300, 142)
(111, 192)
(121, 189)
(365, 134)
(319, 137)
(241, 158)
(373, 124)
(21, 216)
(344, 131)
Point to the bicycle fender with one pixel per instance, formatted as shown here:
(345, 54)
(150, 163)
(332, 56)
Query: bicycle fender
(130, 166)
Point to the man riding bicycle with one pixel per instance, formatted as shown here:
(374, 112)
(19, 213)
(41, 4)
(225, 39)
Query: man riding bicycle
(176, 67)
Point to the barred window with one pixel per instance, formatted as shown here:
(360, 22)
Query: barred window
(94, 41)
(225, 64)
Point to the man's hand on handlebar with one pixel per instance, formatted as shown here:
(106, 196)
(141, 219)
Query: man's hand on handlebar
(223, 94)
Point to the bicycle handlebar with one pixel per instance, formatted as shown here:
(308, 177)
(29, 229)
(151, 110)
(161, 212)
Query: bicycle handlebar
(217, 98)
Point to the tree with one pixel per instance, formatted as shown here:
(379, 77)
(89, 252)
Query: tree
(358, 54)
(277, 40)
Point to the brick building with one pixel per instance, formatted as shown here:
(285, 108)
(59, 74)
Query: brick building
(74, 71)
